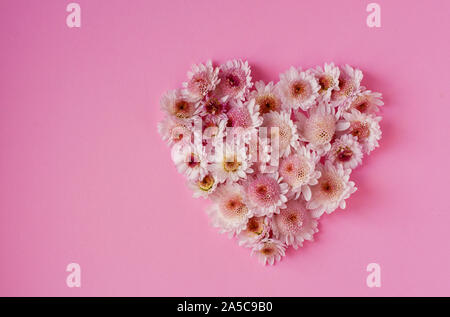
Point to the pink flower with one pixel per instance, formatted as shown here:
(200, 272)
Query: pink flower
(366, 102)
(257, 229)
(298, 171)
(213, 105)
(349, 83)
(174, 131)
(230, 211)
(320, 127)
(201, 80)
(269, 251)
(235, 79)
(178, 106)
(267, 97)
(298, 89)
(244, 115)
(286, 133)
(275, 158)
(328, 79)
(346, 151)
(365, 127)
(332, 189)
(266, 194)
(203, 186)
(294, 224)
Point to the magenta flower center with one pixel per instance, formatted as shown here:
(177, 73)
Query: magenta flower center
(213, 106)
(193, 161)
(232, 80)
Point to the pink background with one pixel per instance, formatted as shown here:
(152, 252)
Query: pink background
(85, 178)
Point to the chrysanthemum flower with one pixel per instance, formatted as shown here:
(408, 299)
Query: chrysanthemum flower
(203, 186)
(266, 194)
(298, 171)
(332, 189)
(319, 122)
(213, 128)
(269, 251)
(230, 211)
(328, 79)
(232, 164)
(244, 115)
(190, 160)
(202, 79)
(213, 105)
(266, 97)
(235, 79)
(257, 229)
(319, 128)
(298, 89)
(346, 151)
(287, 131)
(178, 106)
(174, 131)
(349, 83)
(366, 128)
(365, 102)
(294, 224)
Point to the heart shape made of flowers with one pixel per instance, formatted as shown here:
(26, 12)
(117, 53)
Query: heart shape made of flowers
(272, 158)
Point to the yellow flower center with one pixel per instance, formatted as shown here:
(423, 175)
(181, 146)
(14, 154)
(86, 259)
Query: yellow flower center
(206, 183)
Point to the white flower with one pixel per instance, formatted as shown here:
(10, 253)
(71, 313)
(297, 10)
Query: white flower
(201, 80)
(331, 190)
(319, 128)
(178, 106)
(365, 101)
(266, 97)
(203, 186)
(298, 171)
(365, 127)
(328, 79)
(349, 83)
(287, 131)
(298, 89)
(174, 131)
(190, 160)
(294, 224)
(269, 251)
(257, 229)
(230, 211)
(275, 158)
(231, 164)
(346, 151)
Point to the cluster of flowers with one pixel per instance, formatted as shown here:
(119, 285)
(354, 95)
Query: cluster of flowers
(323, 122)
